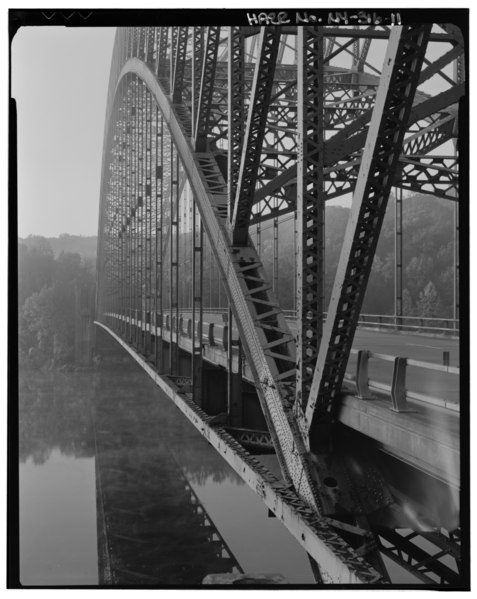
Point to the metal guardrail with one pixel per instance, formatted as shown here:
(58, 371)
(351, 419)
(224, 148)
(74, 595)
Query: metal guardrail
(216, 334)
(383, 321)
(411, 323)
(397, 390)
(402, 323)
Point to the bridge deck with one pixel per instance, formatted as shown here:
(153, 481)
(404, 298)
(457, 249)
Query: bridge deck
(426, 436)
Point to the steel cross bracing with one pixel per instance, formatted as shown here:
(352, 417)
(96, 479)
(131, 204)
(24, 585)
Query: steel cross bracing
(209, 61)
(269, 43)
(300, 144)
(342, 152)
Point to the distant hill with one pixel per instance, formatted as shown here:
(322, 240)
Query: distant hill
(76, 244)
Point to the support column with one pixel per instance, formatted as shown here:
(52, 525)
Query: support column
(148, 196)
(141, 227)
(174, 264)
(275, 256)
(134, 164)
(158, 308)
(234, 378)
(456, 263)
(197, 303)
(128, 208)
(459, 77)
(398, 259)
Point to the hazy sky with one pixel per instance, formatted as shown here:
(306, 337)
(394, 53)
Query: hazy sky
(60, 78)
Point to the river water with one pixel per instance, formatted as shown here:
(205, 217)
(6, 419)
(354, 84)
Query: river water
(118, 488)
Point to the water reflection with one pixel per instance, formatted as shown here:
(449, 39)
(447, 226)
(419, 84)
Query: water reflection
(54, 412)
(155, 530)
(56, 481)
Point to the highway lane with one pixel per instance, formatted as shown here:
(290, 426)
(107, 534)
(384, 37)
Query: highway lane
(418, 347)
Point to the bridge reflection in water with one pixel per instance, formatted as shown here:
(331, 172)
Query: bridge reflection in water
(170, 510)
(154, 526)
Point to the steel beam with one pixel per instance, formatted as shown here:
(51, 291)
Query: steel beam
(161, 58)
(197, 62)
(236, 110)
(197, 303)
(398, 234)
(149, 44)
(310, 206)
(158, 261)
(399, 80)
(269, 43)
(174, 195)
(417, 558)
(179, 65)
(201, 128)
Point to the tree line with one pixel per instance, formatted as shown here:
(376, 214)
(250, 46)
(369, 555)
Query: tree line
(47, 288)
(427, 261)
(47, 282)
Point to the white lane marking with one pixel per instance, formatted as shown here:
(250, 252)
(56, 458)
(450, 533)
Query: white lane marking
(429, 346)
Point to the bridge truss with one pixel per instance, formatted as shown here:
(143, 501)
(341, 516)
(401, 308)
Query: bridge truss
(211, 134)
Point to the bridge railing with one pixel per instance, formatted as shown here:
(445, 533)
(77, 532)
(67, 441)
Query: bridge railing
(215, 335)
(449, 326)
(397, 389)
(418, 324)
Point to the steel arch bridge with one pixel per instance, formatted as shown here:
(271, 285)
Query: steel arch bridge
(212, 132)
